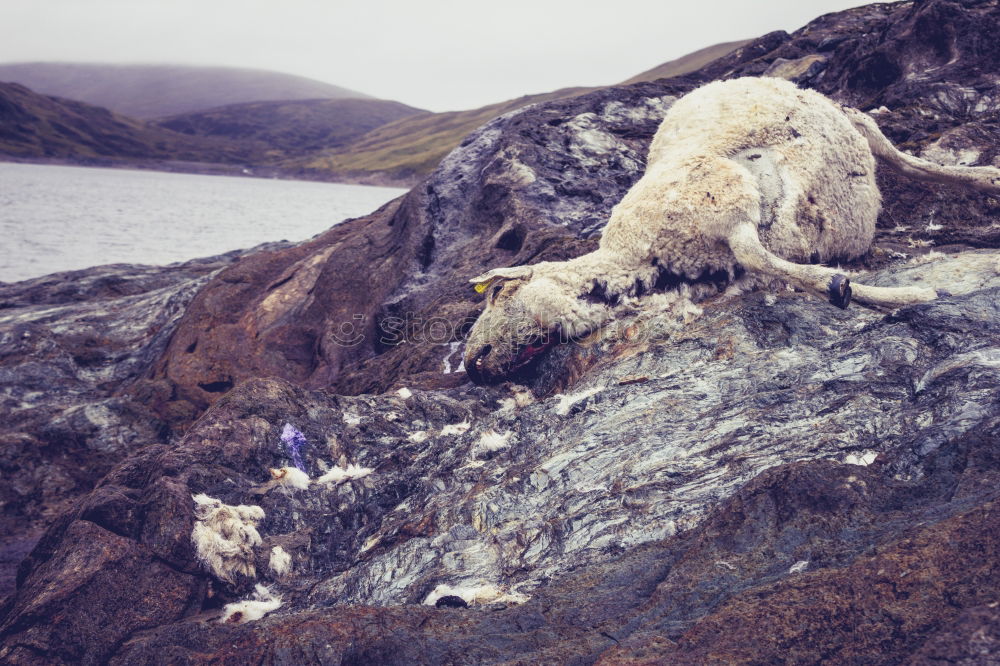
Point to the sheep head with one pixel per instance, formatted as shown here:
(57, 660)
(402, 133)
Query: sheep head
(528, 309)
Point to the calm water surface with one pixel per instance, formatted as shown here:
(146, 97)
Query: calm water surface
(59, 218)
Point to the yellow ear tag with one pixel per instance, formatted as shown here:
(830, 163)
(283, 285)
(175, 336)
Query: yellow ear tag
(483, 286)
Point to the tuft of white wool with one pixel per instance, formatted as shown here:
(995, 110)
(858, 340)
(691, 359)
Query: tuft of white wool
(862, 460)
(521, 397)
(224, 536)
(927, 258)
(337, 475)
(455, 428)
(291, 477)
(567, 401)
(404, 393)
(798, 567)
(418, 436)
(491, 441)
(478, 592)
(280, 561)
(262, 602)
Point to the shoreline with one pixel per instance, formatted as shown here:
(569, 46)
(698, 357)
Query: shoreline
(222, 169)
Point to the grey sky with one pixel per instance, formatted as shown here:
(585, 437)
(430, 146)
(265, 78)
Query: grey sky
(436, 54)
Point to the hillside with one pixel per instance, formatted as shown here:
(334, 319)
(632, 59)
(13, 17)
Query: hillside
(406, 149)
(412, 147)
(292, 126)
(687, 64)
(154, 91)
(38, 126)
(286, 123)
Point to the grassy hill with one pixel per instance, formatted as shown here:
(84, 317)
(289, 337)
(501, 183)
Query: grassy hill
(154, 91)
(692, 62)
(364, 140)
(292, 127)
(411, 147)
(36, 126)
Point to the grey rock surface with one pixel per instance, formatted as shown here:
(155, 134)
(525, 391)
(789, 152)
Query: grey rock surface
(71, 346)
(760, 478)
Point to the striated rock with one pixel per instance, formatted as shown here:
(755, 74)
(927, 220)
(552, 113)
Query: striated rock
(71, 347)
(661, 474)
(762, 478)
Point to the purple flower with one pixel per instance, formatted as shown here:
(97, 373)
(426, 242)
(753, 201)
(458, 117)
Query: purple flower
(294, 440)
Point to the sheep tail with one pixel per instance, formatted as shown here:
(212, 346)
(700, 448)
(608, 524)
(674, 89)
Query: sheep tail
(982, 178)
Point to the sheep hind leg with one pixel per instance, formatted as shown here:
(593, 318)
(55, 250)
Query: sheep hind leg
(752, 255)
(982, 178)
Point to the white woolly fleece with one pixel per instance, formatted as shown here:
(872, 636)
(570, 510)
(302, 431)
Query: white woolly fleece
(262, 602)
(455, 428)
(337, 475)
(224, 536)
(280, 561)
(567, 401)
(750, 173)
(491, 441)
(291, 477)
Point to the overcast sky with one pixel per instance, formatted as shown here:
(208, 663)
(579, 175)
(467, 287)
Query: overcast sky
(434, 54)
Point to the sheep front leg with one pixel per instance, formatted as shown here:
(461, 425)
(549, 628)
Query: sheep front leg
(745, 244)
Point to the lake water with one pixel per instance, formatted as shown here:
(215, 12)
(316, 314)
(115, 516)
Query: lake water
(59, 218)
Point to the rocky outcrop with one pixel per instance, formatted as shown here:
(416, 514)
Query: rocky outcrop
(763, 478)
(72, 346)
(773, 458)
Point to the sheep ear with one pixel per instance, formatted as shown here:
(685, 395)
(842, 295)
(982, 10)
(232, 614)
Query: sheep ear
(483, 281)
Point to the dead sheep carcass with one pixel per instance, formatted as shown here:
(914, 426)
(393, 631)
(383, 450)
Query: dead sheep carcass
(749, 177)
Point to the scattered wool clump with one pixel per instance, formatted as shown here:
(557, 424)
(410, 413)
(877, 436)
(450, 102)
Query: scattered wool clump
(262, 602)
(567, 401)
(455, 428)
(491, 441)
(225, 536)
(280, 561)
(418, 437)
(863, 459)
(799, 567)
(522, 397)
(927, 258)
(291, 477)
(404, 393)
(337, 475)
(480, 593)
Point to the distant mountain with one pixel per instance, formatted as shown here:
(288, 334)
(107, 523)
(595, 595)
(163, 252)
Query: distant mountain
(34, 126)
(692, 62)
(331, 134)
(155, 91)
(293, 127)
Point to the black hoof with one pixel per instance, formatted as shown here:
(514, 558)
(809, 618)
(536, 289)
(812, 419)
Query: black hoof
(451, 601)
(840, 290)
